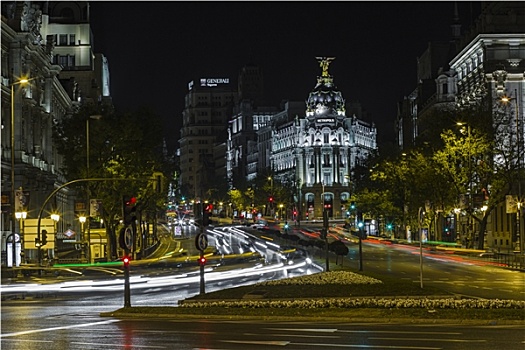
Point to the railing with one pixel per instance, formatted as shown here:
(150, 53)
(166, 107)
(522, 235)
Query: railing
(512, 260)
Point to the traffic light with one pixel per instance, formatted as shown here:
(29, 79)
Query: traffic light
(352, 206)
(126, 260)
(129, 209)
(43, 238)
(270, 199)
(202, 261)
(389, 226)
(206, 213)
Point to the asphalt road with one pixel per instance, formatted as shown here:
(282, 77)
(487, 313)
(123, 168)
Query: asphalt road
(79, 328)
(72, 321)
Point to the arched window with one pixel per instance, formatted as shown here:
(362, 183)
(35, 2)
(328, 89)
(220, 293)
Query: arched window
(67, 12)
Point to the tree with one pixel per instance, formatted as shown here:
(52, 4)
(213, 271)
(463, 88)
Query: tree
(124, 146)
(479, 165)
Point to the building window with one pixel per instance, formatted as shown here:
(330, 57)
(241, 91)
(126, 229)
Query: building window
(62, 39)
(72, 39)
(62, 61)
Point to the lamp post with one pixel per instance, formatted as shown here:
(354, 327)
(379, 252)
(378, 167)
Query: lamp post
(20, 216)
(56, 219)
(94, 117)
(506, 99)
(22, 81)
(82, 220)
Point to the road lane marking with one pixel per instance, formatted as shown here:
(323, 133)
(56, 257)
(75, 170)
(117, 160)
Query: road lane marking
(296, 335)
(401, 332)
(258, 342)
(361, 346)
(324, 330)
(134, 346)
(57, 328)
(433, 340)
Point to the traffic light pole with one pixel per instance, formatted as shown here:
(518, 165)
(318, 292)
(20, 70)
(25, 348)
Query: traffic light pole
(201, 270)
(127, 289)
(360, 249)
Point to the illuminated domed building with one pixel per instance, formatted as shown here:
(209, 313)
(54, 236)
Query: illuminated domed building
(318, 152)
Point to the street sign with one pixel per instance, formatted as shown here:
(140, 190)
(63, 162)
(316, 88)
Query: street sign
(128, 237)
(201, 242)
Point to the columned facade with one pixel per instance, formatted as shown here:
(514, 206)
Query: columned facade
(319, 150)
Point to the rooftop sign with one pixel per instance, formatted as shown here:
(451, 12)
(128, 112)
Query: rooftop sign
(209, 82)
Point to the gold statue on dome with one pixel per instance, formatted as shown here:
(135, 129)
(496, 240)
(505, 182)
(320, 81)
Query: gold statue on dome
(324, 62)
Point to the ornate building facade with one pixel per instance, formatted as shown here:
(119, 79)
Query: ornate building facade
(39, 41)
(318, 150)
(478, 67)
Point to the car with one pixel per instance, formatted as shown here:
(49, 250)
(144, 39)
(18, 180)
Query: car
(257, 226)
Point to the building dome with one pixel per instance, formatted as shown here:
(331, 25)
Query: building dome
(325, 98)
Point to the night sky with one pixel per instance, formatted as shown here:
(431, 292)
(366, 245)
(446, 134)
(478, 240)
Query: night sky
(155, 48)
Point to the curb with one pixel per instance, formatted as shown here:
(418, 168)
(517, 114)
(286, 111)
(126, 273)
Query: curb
(129, 315)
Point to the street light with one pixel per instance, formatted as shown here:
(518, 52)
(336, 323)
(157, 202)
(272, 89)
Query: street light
(20, 216)
(82, 220)
(55, 217)
(22, 81)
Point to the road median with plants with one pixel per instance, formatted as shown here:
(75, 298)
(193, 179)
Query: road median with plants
(341, 295)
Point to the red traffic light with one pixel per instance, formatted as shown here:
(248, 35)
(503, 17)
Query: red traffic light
(271, 199)
(202, 261)
(131, 201)
(126, 260)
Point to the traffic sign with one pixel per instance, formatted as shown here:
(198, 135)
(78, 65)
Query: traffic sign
(128, 237)
(201, 241)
